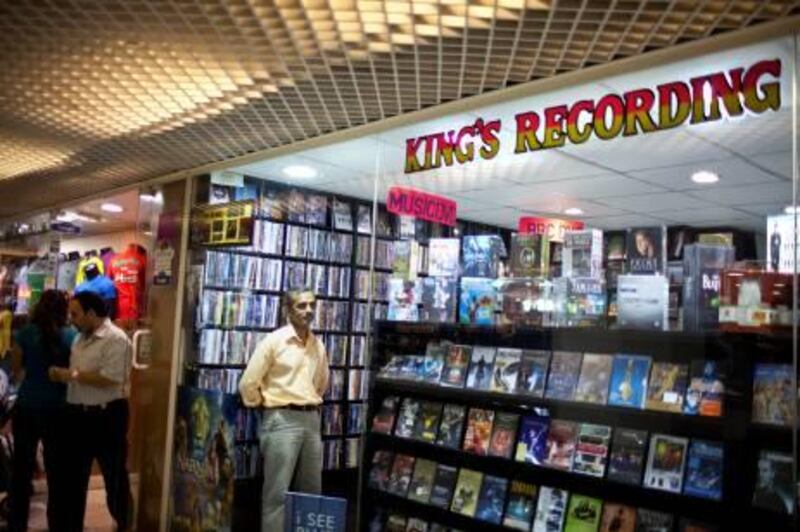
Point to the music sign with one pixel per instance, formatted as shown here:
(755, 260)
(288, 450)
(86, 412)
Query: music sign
(422, 205)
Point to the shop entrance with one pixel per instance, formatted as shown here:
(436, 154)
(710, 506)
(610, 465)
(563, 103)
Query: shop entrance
(122, 247)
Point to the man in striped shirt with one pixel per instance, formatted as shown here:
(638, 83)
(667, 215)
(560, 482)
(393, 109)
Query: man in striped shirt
(98, 381)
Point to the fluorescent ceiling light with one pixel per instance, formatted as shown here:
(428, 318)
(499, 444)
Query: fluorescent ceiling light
(704, 177)
(151, 197)
(791, 209)
(67, 216)
(72, 216)
(573, 211)
(300, 171)
(111, 207)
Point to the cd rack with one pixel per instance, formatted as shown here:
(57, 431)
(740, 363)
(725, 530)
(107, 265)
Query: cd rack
(741, 438)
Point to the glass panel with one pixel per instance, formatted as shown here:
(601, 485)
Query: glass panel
(615, 300)
(255, 236)
(103, 246)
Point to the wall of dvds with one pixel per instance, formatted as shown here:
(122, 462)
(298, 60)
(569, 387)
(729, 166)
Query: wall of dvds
(300, 238)
(520, 428)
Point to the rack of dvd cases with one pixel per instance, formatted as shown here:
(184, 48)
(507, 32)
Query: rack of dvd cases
(300, 238)
(507, 428)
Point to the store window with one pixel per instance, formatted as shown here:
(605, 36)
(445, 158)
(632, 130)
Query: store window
(115, 246)
(601, 333)
(566, 310)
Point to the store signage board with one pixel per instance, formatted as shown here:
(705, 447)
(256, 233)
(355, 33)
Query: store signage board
(227, 224)
(552, 227)
(306, 512)
(65, 227)
(422, 205)
(227, 179)
(749, 88)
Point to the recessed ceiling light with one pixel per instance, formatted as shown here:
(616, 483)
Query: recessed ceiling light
(111, 207)
(300, 171)
(573, 211)
(791, 209)
(704, 177)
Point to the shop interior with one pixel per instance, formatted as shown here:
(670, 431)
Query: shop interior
(100, 245)
(687, 274)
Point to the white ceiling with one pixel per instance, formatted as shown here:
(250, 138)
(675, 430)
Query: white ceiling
(628, 181)
(135, 214)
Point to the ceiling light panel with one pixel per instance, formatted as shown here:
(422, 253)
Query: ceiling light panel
(102, 93)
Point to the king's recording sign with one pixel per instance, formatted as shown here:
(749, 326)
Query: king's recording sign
(750, 88)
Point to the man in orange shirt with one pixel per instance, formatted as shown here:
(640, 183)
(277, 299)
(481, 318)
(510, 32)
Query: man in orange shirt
(287, 376)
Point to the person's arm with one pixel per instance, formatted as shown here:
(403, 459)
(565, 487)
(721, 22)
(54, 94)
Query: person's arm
(112, 372)
(323, 372)
(253, 376)
(91, 378)
(17, 370)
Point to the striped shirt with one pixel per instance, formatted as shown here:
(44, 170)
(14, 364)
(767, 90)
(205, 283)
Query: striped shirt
(107, 351)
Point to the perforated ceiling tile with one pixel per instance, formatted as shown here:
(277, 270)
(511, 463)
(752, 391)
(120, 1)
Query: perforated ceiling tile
(95, 94)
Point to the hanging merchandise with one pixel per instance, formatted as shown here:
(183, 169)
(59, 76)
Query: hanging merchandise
(127, 269)
(80, 276)
(67, 274)
(106, 254)
(97, 283)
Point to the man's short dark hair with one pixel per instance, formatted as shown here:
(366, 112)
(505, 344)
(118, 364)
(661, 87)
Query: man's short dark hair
(291, 295)
(91, 301)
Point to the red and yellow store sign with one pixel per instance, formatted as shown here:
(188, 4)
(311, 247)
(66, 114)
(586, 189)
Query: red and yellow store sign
(755, 89)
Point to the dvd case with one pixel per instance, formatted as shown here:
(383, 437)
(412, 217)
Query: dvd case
(646, 248)
(665, 463)
(704, 467)
(481, 368)
(492, 499)
(628, 385)
(594, 377)
(561, 440)
(591, 450)
(532, 439)
(583, 253)
(551, 510)
(479, 431)
(702, 281)
(643, 302)
(773, 489)
(530, 255)
(520, 506)
(465, 495)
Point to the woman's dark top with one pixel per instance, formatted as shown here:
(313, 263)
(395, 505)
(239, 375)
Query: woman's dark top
(37, 390)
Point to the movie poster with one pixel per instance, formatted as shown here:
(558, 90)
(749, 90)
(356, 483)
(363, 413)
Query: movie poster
(203, 461)
(782, 249)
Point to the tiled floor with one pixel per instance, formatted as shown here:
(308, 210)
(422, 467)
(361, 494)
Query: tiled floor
(97, 518)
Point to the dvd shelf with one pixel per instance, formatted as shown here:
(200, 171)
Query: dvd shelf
(473, 426)
(299, 238)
